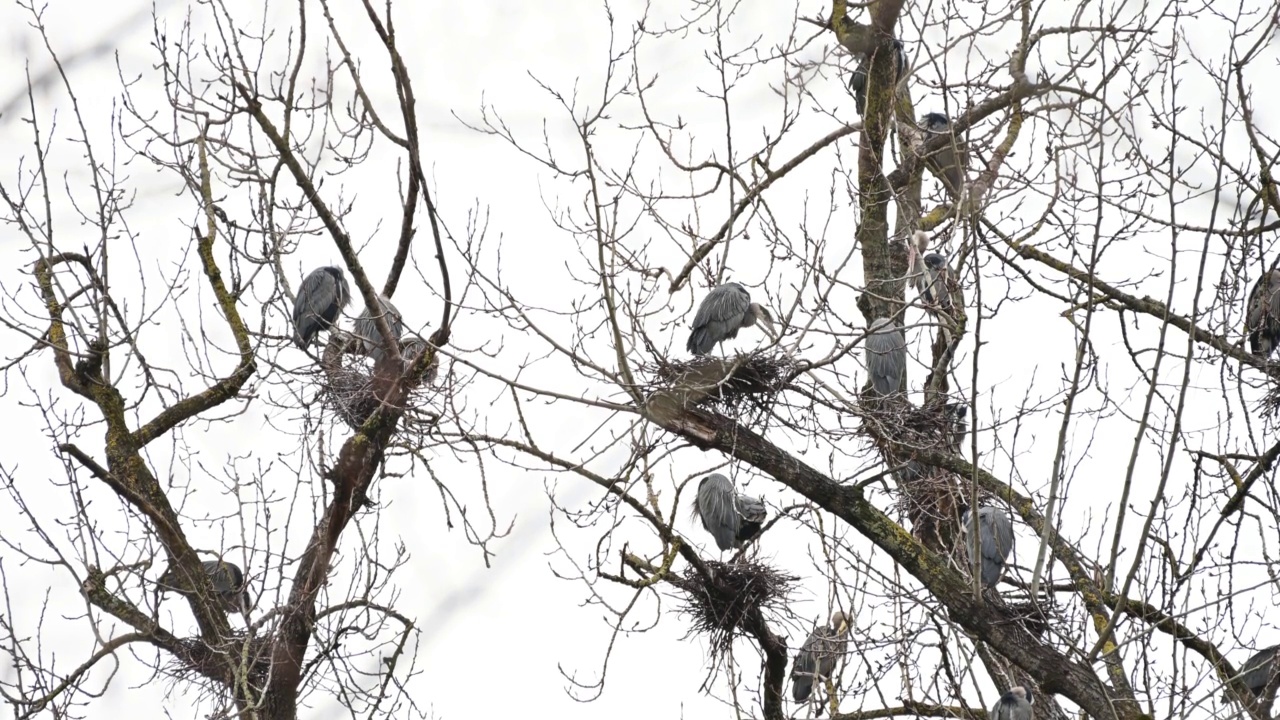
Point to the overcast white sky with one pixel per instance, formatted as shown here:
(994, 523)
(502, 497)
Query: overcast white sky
(496, 640)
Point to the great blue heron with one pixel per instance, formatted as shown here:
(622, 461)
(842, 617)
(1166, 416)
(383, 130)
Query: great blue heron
(731, 518)
(1262, 319)
(949, 162)
(227, 580)
(724, 311)
(886, 356)
(957, 419)
(858, 81)
(995, 541)
(817, 657)
(1260, 670)
(320, 299)
(932, 276)
(1014, 705)
(366, 328)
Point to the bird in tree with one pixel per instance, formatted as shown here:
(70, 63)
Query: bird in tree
(932, 276)
(1261, 670)
(1014, 705)
(731, 518)
(227, 580)
(818, 655)
(886, 356)
(319, 302)
(366, 328)
(1262, 318)
(949, 162)
(723, 312)
(858, 81)
(995, 541)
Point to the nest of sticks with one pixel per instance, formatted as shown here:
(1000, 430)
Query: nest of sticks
(202, 661)
(722, 602)
(354, 384)
(725, 384)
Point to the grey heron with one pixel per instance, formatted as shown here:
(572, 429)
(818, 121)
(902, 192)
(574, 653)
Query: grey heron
(956, 415)
(320, 299)
(724, 311)
(932, 276)
(995, 541)
(366, 328)
(858, 81)
(227, 580)
(1262, 318)
(1014, 705)
(949, 162)
(732, 519)
(1258, 671)
(886, 356)
(818, 655)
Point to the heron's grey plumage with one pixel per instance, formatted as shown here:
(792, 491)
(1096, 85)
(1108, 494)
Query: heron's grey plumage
(949, 162)
(995, 541)
(933, 277)
(731, 518)
(1258, 671)
(886, 356)
(1262, 319)
(1014, 705)
(724, 311)
(320, 299)
(227, 580)
(858, 81)
(818, 656)
(957, 417)
(366, 328)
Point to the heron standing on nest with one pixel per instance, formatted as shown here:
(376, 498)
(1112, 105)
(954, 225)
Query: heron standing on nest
(227, 580)
(320, 299)
(817, 658)
(366, 328)
(732, 519)
(723, 312)
(886, 356)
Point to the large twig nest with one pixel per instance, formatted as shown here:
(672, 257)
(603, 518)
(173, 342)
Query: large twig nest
(354, 384)
(202, 661)
(720, 602)
(724, 384)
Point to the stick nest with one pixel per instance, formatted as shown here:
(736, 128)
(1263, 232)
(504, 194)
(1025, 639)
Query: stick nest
(352, 382)
(725, 384)
(201, 662)
(723, 602)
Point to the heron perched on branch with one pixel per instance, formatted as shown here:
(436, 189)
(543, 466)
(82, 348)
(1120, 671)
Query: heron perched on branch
(724, 311)
(1014, 705)
(932, 276)
(995, 541)
(366, 328)
(1262, 318)
(949, 162)
(732, 519)
(858, 81)
(957, 417)
(817, 657)
(227, 580)
(1259, 671)
(320, 299)
(886, 356)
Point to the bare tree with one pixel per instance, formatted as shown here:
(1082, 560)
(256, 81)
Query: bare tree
(1118, 203)
(262, 135)
(1083, 239)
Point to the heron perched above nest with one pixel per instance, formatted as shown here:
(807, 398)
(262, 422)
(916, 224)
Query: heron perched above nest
(722, 602)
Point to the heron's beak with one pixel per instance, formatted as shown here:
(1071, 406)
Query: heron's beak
(766, 319)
